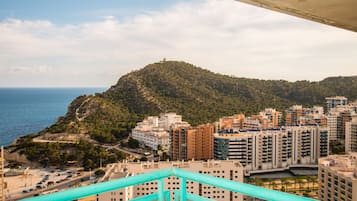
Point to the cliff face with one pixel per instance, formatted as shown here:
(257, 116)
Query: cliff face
(197, 94)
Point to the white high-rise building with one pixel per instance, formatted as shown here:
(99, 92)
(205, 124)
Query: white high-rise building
(337, 119)
(332, 124)
(273, 149)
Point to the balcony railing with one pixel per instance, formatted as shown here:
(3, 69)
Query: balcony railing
(164, 195)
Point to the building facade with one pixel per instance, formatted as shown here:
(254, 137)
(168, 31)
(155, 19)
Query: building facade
(154, 131)
(293, 114)
(166, 120)
(153, 138)
(338, 178)
(231, 170)
(351, 136)
(334, 125)
(234, 122)
(273, 149)
(333, 102)
(188, 143)
(337, 119)
(275, 117)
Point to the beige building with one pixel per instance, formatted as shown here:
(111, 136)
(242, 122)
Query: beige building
(351, 136)
(293, 114)
(234, 122)
(274, 117)
(338, 178)
(268, 118)
(273, 149)
(224, 169)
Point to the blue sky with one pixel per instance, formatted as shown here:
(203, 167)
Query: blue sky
(70, 12)
(93, 43)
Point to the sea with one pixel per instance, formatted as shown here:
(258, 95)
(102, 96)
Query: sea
(29, 110)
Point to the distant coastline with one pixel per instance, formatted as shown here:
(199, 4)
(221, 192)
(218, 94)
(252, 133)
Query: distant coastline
(26, 110)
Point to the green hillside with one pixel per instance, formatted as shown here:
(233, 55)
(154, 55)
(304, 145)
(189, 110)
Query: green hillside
(199, 95)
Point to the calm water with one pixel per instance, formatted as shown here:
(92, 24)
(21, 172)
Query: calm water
(24, 111)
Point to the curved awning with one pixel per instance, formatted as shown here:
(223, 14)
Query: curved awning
(339, 13)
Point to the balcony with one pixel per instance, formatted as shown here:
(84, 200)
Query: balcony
(164, 195)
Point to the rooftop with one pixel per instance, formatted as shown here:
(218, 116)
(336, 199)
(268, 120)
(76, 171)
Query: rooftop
(343, 164)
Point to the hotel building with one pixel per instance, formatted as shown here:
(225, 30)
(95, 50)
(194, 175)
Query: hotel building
(153, 131)
(273, 149)
(338, 178)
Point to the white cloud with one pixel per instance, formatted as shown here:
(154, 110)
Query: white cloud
(225, 36)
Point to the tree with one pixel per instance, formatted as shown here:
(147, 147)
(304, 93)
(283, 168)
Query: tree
(99, 172)
(132, 143)
(143, 158)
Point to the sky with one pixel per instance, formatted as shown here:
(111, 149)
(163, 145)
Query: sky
(87, 43)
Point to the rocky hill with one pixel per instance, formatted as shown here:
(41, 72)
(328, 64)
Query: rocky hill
(199, 95)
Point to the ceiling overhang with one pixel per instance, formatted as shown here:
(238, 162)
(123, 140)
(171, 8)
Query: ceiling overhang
(339, 13)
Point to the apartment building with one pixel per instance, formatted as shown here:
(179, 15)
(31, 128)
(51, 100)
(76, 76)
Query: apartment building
(231, 170)
(293, 114)
(234, 122)
(351, 136)
(154, 131)
(256, 122)
(188, 143)
(273, 149)
(338, 178)
(297, 114)
(334, 125)
(313, 115)
(166, 120)
(337, 119)
(332, 102)
(274, 117)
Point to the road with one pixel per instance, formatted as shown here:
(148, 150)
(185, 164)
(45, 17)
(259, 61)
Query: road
(136, 155)
(60, 186)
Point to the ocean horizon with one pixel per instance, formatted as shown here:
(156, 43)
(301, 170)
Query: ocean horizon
(29, 110)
